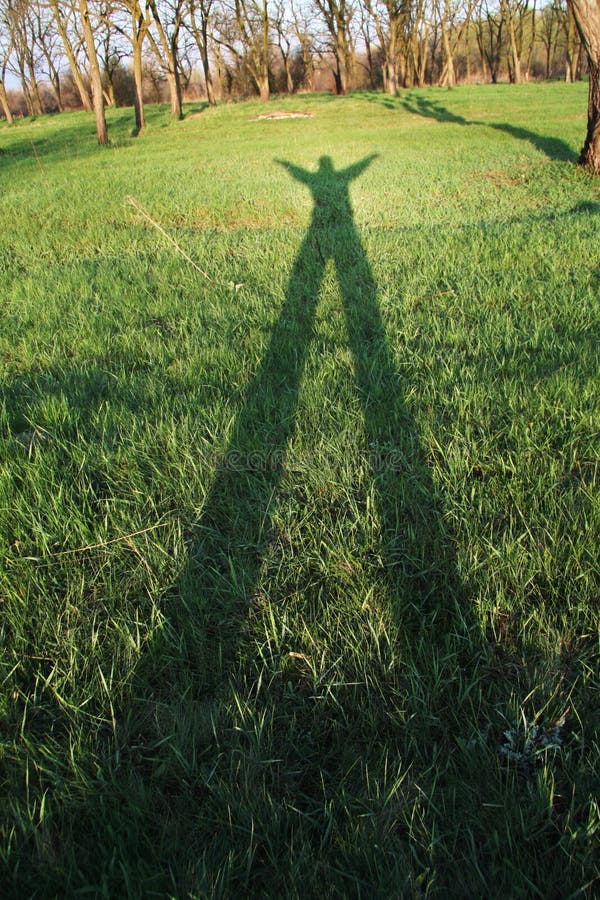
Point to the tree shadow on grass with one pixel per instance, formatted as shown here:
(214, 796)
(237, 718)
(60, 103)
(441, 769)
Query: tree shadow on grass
(56, 138)
(194, 109)
(416, 103)
(51, 139)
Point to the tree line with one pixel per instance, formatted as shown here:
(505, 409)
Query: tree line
(89, 53)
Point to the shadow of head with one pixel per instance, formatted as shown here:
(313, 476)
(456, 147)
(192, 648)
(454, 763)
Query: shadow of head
(326, 166)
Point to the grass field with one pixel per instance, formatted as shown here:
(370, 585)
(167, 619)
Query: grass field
(300, 598)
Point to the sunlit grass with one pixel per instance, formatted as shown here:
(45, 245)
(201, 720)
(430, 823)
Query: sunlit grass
(223, 678)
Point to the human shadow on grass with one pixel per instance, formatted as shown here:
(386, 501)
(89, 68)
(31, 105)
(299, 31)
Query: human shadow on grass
(552, 147)
(235, 526)
(186, 784)
(53, 139)
(309, 740)
(179, 758)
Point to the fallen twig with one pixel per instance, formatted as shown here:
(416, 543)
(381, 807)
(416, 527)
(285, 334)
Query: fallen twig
(39, 162)
(122, 537)
(133, 202)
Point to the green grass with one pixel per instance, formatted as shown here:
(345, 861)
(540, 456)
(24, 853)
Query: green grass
(277, 575)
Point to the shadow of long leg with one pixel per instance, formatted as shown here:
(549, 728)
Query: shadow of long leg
(234, 526)
(420, 569)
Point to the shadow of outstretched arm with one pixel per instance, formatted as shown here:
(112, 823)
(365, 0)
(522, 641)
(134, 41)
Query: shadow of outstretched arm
(296, 172)
(358, 168)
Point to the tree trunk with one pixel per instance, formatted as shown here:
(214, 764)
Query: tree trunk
(96, 78)
(57, 94)
(168, 60)
(265, 92)
(448, 76)
(468, 53)
(4, 104)
(26, 94)
(288, 75)
(109, 91)
(369, 55)
(514, 52)
(35, 91)
(138, 77)
(254, 36)
(262, 82)
(514, 60)
(337, 78)
(220, 73)
(587, 16)
(55, 82)
(531, 46)
(572, 52)
(307, 63)
(347, 67)
(419, 59)
(175, 94)
(210, 91)
(201, 36)
(75, 72)
(392, 77)
(341, 69)
(590, 153)
(391, 63)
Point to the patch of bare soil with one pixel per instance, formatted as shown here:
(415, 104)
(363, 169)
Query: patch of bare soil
(285, 115)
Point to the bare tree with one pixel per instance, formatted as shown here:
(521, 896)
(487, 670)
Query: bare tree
(490, 33)
(95, 76)
(200, 25)
(245, 30)
(62, 14)
(302, 24)
(548, 35)
(390, 18)
(568, 24)
(284, 31)
(154, 74)
(337, 16)
(47, 39)
(519, 23)
(132, 21)
(22, 29)
(167, 20)
(6, 48)
(454, 17)
(111, 51)
(418, 37)
(587, 17)
(368, 36)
